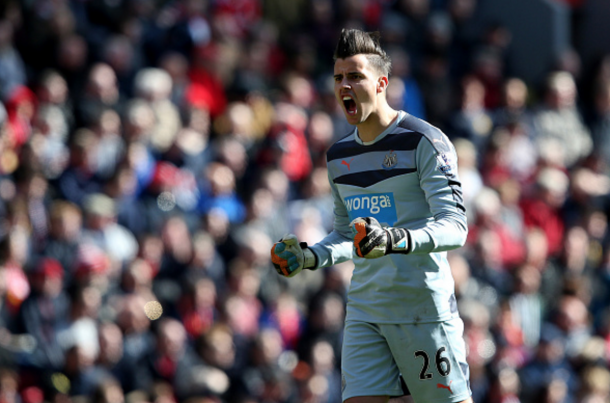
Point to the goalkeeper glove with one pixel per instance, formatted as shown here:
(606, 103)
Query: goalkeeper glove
(371, 240)
(289, 256)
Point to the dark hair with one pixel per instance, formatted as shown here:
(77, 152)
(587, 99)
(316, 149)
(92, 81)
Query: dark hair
(355, 42)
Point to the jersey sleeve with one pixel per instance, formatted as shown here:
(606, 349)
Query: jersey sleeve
(336, 247)
(437, 168)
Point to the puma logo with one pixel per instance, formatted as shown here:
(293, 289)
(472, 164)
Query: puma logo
(448, 387)
(438, 141)
(347, 164)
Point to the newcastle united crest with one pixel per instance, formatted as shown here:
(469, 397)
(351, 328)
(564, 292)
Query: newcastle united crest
(390, 160)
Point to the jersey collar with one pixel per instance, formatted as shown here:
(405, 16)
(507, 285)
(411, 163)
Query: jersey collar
(390, 129)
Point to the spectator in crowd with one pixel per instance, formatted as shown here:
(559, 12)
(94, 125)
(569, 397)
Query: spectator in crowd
(48, 141)
(526, 303)
(44, 312)
(11, 64)
(472, 120)
(71, 61)
(541, 206)
(549, 366)
(412, 99)
(20, 110)
(52, 89)
(79, 179)
(155, 86)
(172, 359)
(111, 148)
(513, 106)
(110, 359)
(559, 130)
(101, 229)
(101, 91)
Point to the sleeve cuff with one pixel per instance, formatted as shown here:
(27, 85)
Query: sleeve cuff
(421, 241)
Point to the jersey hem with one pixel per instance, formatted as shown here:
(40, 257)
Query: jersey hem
(402, 322)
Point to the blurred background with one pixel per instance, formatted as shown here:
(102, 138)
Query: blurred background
(153, 150)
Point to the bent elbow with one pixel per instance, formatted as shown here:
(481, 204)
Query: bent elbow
(463, 230)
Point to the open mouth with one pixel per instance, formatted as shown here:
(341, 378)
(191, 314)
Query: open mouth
(350, 105)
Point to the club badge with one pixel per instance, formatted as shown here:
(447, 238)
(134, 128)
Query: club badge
(390, 160)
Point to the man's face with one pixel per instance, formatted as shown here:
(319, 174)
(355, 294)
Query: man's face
(356, 87)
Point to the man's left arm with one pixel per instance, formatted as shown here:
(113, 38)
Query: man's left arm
(437, 168)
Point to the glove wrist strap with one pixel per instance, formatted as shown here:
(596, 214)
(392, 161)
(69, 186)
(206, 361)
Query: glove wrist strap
(399, 240)
(309, 258)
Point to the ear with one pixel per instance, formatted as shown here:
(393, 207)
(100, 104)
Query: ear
(382, 84)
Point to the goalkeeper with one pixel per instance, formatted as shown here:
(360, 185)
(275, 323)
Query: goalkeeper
(398, 209)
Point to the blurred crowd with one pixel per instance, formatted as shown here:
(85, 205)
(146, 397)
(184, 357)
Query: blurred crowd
(153, 150)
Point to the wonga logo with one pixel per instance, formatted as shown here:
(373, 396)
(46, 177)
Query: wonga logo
(379, 205)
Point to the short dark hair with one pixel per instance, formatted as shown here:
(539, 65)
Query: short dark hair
(355, 42)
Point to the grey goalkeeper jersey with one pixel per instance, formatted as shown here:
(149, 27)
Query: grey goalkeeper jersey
(407, 177)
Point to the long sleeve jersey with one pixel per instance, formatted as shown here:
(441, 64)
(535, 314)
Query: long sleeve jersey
(407, 177)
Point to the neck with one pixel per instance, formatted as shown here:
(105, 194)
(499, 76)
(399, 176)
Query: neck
(376, 123)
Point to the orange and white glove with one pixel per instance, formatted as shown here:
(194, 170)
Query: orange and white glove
(289, 256)
(372, 241)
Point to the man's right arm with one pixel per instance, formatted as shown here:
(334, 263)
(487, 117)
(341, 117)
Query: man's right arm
(336, 247)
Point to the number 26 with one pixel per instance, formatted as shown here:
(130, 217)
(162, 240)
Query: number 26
(443, 365)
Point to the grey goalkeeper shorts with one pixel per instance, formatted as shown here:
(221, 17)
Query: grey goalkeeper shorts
(430, 356)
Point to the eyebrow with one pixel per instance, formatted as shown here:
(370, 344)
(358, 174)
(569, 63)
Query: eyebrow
(349, 73)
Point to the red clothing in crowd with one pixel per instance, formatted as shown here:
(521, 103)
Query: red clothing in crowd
(206, 91)
(538, 214)
(20, 109)
(511, 249)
